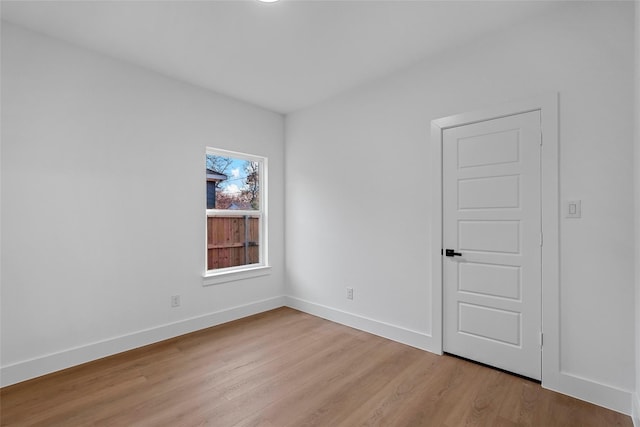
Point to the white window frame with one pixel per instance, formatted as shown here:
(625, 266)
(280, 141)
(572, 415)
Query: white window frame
(240, 272)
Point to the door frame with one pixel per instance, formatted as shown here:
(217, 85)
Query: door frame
(550, 311)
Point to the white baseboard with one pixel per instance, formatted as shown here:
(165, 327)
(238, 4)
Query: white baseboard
(613, 398)
(410, 337)
(36, 367)
(604, 395)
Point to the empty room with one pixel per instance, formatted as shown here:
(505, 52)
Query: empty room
(320, 212)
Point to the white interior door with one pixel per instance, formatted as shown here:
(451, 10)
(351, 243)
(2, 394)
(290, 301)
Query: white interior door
(492, 223)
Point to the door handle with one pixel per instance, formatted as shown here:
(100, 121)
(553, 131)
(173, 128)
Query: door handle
(451, 252)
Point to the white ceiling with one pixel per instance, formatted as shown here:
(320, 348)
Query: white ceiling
(282, 56)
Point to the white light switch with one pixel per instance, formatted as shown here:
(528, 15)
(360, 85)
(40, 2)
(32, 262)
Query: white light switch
(574, 209)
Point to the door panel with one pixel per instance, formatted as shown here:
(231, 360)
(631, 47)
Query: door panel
(504, 236)
(492, 217)
(488, 149)
(489, 323)
(489, 279)
(489, 193)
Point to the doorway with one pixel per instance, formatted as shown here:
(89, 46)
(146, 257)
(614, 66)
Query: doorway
(495, 225)
(491, 235)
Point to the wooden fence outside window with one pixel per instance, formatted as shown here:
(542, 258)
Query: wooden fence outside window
(232, 241)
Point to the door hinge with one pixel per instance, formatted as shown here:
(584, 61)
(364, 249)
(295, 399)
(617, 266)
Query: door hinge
(541, 339)
(541, 239)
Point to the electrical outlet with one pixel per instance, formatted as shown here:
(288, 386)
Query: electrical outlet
(175, 301)
(349, 293)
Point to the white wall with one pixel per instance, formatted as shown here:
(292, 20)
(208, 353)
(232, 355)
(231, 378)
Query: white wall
(636, 399)
(358, 202)
(103, 202)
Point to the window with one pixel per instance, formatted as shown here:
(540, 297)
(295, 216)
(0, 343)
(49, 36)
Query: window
(236, 215)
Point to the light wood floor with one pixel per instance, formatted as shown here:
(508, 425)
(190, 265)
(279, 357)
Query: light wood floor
(286, 368)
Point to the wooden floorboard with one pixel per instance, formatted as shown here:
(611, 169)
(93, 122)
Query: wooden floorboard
(287, 368)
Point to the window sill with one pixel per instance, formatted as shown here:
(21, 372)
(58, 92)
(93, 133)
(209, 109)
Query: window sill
(216, 278)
